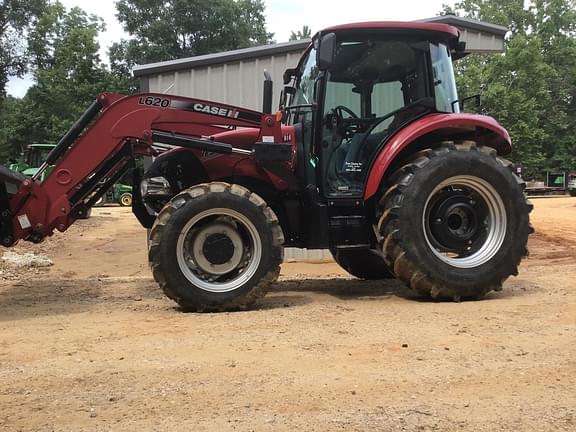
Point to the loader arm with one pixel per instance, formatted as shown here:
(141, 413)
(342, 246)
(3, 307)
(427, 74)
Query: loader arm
(101, 145)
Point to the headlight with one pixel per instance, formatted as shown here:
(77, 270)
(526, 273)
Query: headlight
(155, 186)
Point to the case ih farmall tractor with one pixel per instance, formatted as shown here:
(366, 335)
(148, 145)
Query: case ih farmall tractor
(368, 156)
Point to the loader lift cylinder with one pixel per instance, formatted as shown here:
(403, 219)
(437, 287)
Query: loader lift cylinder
(195, 143)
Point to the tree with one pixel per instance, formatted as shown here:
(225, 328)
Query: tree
(531, 89)
(305, 33)
(17, 18)
(68, 74)
(12, 129)
(174, 29)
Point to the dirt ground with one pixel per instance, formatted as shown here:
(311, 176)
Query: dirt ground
(91, 344)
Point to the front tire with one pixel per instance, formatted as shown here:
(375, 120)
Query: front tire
(363, 263)
(455, 222)
(216, 247)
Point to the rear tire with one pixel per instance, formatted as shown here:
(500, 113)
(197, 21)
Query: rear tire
(455, 222)
(363, 263)
(216, 247)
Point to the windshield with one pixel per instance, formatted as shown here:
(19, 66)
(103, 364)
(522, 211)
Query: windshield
(37, 155)
(307, 75)
(299, 107)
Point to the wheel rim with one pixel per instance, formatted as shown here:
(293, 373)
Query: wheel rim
(126, 200)
(219, 250)
(464, 221)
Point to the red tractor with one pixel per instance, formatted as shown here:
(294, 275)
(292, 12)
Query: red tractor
(368, 156)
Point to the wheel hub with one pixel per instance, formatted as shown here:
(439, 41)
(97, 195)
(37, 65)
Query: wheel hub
(217, 249)
(457, 220)
(465, 221)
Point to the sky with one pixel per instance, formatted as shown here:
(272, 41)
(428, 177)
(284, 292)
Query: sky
(282, 17)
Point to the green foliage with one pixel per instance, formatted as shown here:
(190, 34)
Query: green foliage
(530, 89)
(174, 29)
(305, 33)
(17, 18)
(68, 74)
(12, 128)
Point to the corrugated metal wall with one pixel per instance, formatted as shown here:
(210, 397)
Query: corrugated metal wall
(239, 83)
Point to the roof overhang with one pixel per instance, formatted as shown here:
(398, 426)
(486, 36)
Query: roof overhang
(221, 57)
(480, 37)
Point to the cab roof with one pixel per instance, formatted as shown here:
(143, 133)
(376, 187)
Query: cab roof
(439, 29)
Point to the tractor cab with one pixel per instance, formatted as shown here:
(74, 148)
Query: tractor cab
(356, 86)
(33, 157)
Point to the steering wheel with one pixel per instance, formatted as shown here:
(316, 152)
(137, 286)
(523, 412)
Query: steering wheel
(340, 109)
(346, 126)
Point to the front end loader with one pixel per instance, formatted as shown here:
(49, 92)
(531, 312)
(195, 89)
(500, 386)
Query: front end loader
(368, 156)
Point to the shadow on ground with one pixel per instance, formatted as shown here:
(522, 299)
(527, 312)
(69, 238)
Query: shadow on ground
(48, 297)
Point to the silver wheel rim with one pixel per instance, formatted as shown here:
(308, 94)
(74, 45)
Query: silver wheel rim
(126, 200)
(243, 263)
(494, 223)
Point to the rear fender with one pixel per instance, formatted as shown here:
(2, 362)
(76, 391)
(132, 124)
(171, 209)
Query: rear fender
(432, 129)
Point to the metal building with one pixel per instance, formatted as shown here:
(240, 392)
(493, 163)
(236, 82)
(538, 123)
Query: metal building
(233, 77)
(236, 77)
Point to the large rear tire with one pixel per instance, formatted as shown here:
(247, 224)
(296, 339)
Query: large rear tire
(216, 247)
(455, 222)
(363, 263)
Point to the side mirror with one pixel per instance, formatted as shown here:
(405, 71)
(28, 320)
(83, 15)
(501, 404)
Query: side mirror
(462, 102)
(326, 51)
(288, 75)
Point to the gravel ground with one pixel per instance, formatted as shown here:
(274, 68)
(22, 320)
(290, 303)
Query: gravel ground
(91, 344)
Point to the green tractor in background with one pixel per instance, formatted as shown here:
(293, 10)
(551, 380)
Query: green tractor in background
(118, 193)
(32, 158)
(35, 155)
